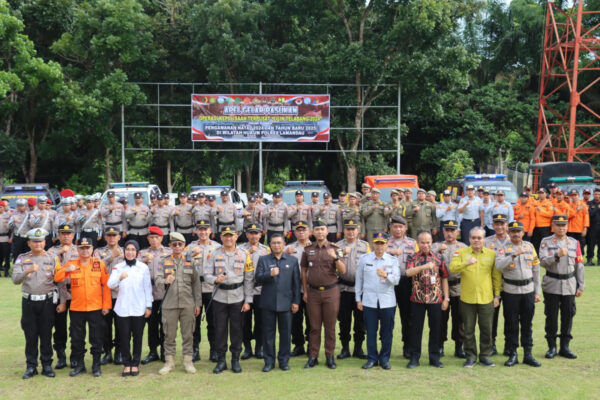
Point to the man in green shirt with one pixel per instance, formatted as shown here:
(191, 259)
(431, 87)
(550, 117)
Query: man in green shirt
(480, 285)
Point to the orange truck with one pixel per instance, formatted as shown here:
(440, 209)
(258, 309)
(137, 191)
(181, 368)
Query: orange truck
(385, 183)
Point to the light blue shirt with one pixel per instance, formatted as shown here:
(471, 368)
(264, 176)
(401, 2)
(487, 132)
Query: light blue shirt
(502, 208)
(472, 210)
(446, 211)
(370, 288)
(135, 291)
(487, 215)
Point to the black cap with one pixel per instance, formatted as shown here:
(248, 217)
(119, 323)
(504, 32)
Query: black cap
(596, 189)
(201, 194)
(256, 228)
(137, 195)
(111, 230)
(500, 218)
(326, 195)
(350, 223)
(299, 192)
(192, 196)
(343, 194)
(552, 185)
(560, 219)
(211, 197)
(110, 193)
(515, 226)
(252, 199)
(319, 222)
(587, 190)
(573, 191)
(65, 228)
(183, 194)
(202, 224)
(301, 224)
(228, 230)
(224, 193)
(166, 196)
(159, 197)
(396, 219)
(152, 196)
(381, 237)
(277, 194)
(451, 224)
(314, 194)
(524, 194)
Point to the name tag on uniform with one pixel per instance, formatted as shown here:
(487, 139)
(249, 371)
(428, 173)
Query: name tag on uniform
(433, 279)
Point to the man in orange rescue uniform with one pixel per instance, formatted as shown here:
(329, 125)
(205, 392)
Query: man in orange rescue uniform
(579, 222)
(90, 301)
(524, 212)
(544, 210)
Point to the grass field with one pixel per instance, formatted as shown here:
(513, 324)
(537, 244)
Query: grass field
(556, 379)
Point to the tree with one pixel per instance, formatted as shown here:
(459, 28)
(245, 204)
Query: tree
(457, 164)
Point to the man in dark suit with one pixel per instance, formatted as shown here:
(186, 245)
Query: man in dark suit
(279, 275)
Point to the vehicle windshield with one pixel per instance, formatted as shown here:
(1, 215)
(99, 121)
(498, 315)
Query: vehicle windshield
(128, 195)
(289, 194)
(510, 193)
(12, 197)
(580, 187)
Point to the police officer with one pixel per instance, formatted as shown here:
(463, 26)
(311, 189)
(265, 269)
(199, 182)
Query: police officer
(401, 246)
(561, 256)
(138, 217)
(252, 214)
(152, 257)
(4, 238)
(183, 218)
(501, 206)
(232, 270)
(423, 215)
(113, 213)
(366, 190)
(226, 212)
(65, 251)
(396, 206)
(374, 213)
(41, 218)
(352, 209)
(181, 304)
(594, 233)
(200, 251)
(446, 210)
(255, 249)
(161, 216)
(19, 226)
(520, 268)
(35, 271)
(321, 262)
(299, 212)
(470, 209)
(315, 205)
(275, 217)
(352, 249)
(90, 222)
(202, 211)
(331, 214)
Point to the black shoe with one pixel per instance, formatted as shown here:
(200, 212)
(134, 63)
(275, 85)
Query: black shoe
(47, 371)
(459, 352)
(96, 371)
(587, 264)
(196, 356)
(247, 353)
(79, 369)
(469, 363)
(152, 356)
(311, 362)
(344, 354)
(268, 368)
(73, 363)
(30, 372)
(62, 359)
(284, 367)
(125, 374)
(406, 353)
(442, 351)
(413, 363)
(258, 353)
(221, 365)
(386, 365)
(551, 353)
(506, 352)
(213, 356)
(118, 358)
(566, 353)
(235, 363)
(530, 360)
(512, 360)
(134, 373)
(436, 363)
(330, 362)
(298, 351)
(494, 351)
(369, 364)
(107, 358)
(162, 354)
(486, 362)
(358, 352)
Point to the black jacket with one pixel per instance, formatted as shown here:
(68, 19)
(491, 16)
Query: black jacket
(279, 292)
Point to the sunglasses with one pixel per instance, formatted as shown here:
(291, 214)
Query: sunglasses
(177, 244)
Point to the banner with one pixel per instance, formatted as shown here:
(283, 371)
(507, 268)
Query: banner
(260, 117)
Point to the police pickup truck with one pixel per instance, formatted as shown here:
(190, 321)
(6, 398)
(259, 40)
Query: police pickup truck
(491, 182)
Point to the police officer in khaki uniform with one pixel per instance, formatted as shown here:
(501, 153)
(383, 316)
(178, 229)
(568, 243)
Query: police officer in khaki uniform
(275, 217)
(226, 212)
(231, 269)
(353, 249)
(182, 215)
(315, 205)
(181, 304)
(401, 246)
(252, 214)
(374, 213)
(520, 268)
(152, 257)
(331, 214)
(255, 249)
(299, 212)
(19, 226)
(138, 217)
(202, 211)
(161, 216)
(41, 218)
(200, 251)
(561, 256)
(423, 216)
(35, 271)
(90, 222)
(4, 238)
(113, 213)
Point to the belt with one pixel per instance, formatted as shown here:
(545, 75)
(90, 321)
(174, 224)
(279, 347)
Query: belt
(3, 234)
(332, 225)
(560, 276)
(113, 223)
(89, 230)
(347, 283)
(163, 226)
(232, 286)
(270, 224)
(470, 220)
(183, 227)
(226, 223)
(323, 287)
(201, 279)
(37, 297)
(454, 282)
(138, 227)
(521, 282)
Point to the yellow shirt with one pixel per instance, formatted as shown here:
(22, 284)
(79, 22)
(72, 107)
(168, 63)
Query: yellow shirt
(479, 282)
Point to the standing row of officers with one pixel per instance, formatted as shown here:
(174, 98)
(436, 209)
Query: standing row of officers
(245, 290)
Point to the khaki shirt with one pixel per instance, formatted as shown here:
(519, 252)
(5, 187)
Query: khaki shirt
(70, 254)
(41, 219)
(105, 254)
(113, 215)
(252, 216)
(204, 213)
(186, 289)
(332, 216)
(374, 215)
(352, 253)
(407, 247)
(572, 263)
(275, 217)
(183, 218)
(453, 278)
(203, 254)
(525, 267)
(90, 221)
(300, 212)
(19, 222)
(296, 250)
(138, 218)
(319, 265)
(41, 281)
(226, 214)
(261, 250)
(161, 217)
(4, 227)
(424, 218)
(239, 269)
(152, 258)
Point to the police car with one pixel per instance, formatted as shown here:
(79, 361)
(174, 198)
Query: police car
(491, 182)
(288, 191)
(13, 192)
(127, 189)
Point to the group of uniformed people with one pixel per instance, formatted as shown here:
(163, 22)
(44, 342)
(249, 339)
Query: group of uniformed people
(200, 268)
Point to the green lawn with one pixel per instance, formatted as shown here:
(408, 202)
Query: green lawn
(556, 379)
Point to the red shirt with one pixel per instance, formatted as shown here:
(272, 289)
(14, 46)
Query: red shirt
(427, 284)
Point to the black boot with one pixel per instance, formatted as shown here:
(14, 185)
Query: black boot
(512, 359)
(406, 352)
(96, 371)
(107, 358)
(47, 371)
(298, 351)
(413, 363)
(330, 362)
(494, 350)
(458, 351)
(118, 358)
(247, 352)
(72, 362)
(213, 355)
(345, 351)
(162, 353)
(152, 356)
(258, 352)
(358, 351)
(529, 360)
(62, 359)
(551, 353)
(79, 368)
(235, 363)
(564, 350)
(221, 364)
(196, 356)
(30, 372)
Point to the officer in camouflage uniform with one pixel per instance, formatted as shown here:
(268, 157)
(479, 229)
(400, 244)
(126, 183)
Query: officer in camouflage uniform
(423, 215)
(374, 213)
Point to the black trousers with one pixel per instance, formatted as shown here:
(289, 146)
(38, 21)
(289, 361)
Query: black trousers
(458, 329)
(257, 332)
(538, 234)
(552, 304)
(403, 290)
(19, 246)
(4, 257)
(37, 318)
(131, 327)
(110, 319)
(92, 236)
(210, 323)
(593, 241)
(300, 319)
(347, 309)
(156, 335)
(95, 324)
(518, 309)
(283, 320)
(434, 317)
(229, 321)
(60, 328)
(141, 239)
(466, 226)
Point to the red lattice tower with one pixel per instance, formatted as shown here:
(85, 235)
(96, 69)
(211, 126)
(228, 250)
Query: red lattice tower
(571, 49)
